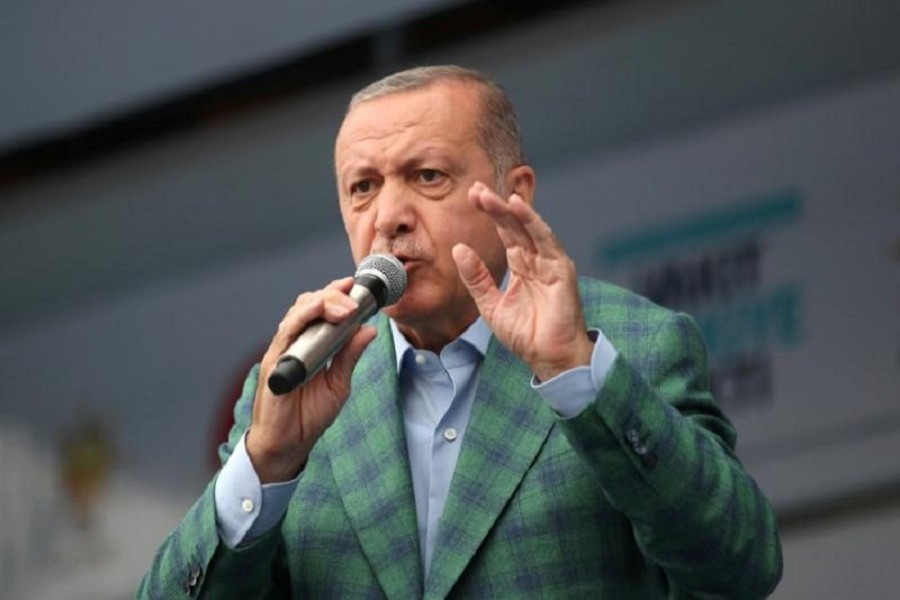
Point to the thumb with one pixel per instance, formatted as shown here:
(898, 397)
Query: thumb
(477, 279)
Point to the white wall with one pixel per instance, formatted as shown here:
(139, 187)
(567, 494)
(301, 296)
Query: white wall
(851, 558)
(814, 185)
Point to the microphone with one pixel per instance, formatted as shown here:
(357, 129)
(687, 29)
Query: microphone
(380, 280)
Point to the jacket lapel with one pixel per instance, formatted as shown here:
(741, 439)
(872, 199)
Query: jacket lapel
(507, 428)
(367, 448)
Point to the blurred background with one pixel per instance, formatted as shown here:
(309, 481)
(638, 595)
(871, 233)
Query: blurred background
(166, 191)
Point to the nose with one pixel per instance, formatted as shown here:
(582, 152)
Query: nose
(396, 213)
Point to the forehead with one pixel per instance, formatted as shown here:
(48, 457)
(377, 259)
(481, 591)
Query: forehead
(442, 111)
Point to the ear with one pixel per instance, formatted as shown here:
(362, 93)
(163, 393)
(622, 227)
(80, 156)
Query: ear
(522, 181)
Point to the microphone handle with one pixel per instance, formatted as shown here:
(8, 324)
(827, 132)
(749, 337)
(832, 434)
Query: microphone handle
(319, 343)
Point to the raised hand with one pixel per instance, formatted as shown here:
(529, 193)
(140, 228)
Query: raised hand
(538, 316)
(285, 428)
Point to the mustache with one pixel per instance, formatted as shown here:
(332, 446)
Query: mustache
(402, 248)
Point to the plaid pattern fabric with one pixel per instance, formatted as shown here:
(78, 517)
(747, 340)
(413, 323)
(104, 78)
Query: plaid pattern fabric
(638, 497)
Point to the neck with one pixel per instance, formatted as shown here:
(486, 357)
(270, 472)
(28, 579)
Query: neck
(434, 334)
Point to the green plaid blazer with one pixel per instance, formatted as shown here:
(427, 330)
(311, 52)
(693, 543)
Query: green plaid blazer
(639, 497)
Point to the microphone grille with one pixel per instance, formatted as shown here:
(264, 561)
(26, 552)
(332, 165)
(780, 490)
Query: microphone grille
(389, 269)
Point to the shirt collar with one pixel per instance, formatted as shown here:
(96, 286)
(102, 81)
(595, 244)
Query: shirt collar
(477, 335)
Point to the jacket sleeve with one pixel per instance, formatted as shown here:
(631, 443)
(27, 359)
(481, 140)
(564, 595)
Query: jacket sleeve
(193, 562)
(664, 455)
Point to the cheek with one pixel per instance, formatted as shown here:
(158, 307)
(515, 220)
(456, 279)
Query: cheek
(483, 234)
(486, 242)
(359, 233)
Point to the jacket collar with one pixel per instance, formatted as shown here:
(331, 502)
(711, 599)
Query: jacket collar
(367, 448)
(507, 428)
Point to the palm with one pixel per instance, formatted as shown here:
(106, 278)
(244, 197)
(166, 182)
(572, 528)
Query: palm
(538, 316)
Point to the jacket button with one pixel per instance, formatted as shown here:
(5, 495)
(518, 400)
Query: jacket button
(632, 437)
(190, 583)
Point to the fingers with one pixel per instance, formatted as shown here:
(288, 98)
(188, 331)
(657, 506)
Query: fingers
(477, 279)
(330, 303)
(286, 427)
(518, 224)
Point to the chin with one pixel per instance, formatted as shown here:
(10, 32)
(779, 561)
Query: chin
(403, 310)
(411, 308)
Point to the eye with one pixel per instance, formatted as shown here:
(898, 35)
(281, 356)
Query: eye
(430, 176)
(364, 186)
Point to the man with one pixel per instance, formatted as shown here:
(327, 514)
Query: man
(512, 431)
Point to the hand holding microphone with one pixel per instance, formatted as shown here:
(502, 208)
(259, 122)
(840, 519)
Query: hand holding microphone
(380, 280)
(293, 405)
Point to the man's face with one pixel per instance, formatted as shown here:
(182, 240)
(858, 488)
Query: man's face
(404, 165)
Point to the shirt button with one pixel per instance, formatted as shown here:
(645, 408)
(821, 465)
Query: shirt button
(420, 359)
(247, 505)
(450, 434)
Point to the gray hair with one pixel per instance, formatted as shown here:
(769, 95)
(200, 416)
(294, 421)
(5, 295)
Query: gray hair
(498, 125)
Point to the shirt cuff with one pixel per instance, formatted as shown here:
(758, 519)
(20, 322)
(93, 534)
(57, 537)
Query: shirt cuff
(245, 510)
(570, 392)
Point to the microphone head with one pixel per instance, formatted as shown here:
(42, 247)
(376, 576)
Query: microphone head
(387, 268)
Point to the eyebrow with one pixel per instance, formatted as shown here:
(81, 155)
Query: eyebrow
(445, 162)
(354, 171)
(362, 167)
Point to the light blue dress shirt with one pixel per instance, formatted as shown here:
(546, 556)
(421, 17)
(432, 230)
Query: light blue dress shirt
(437, 395)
